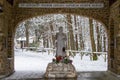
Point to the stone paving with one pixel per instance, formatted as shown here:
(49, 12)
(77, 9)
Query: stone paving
(81, 76)
(23, 75)
(35, 73)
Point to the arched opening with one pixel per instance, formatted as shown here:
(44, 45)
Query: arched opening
(87, 41)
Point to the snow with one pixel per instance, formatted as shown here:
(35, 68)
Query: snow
(22, 39)
(31, 61)
(87, 65)
(31, 39)
(37, 61)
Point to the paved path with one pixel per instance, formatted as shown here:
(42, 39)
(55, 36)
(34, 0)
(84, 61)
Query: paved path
(29, 66)
(21, 75)
(81, 76)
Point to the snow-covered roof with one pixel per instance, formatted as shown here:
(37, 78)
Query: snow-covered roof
(24, 39)
(21, 39)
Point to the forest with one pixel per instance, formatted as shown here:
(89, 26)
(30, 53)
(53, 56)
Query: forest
(83, 33)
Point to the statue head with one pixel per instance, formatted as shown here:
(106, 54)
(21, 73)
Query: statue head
(60, 29)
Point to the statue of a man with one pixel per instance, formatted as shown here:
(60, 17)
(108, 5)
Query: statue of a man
(60, 43)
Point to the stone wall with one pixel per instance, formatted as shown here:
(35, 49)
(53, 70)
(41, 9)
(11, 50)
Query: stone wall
(58, 1)
(1, 2)
(114, 29)
(102, 14)
(2, 54)
(11, 17)
(6, 63)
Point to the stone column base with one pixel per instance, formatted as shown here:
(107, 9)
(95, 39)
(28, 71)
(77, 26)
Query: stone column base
(60, 70)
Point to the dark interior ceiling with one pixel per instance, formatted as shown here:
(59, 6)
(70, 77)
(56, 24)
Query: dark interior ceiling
(1, 8)
(110, 2)
(10, 1)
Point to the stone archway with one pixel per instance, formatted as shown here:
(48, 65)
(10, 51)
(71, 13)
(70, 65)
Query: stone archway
(22, 18)
(24, 14)
(61, 13)
(14, 15)
(87, 13)
(58, 13)
(114, 46)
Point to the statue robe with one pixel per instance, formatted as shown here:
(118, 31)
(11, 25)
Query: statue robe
(60, 44)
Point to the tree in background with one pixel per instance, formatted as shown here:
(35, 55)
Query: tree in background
(93, 46)
(83, 34)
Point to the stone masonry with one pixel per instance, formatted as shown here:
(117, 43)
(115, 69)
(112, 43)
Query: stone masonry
(12, 15)
(60, 70)
(6, 63)
(114, 30)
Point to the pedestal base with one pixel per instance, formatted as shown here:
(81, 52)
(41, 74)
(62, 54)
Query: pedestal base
(60, 70)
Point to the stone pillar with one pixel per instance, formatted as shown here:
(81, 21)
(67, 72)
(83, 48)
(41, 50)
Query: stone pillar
(10, 51)
(111, 46)
(2, 61)
(3, 56)
(2, 50)
(6, 61)
(10, 45)
(114, 56)
(117, 49)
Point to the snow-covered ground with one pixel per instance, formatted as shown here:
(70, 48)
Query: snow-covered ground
(37, 61)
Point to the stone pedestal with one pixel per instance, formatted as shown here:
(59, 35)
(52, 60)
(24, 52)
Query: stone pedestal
(60, 70)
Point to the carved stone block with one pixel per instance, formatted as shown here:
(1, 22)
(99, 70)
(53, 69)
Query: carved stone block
(60, 70)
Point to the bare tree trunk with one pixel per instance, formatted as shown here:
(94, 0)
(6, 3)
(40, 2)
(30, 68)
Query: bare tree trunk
(44, 42)
(51, 42)
(53, 37)
(81, 37)
(104, 43)
(36, 34)
(27, 33)
(98, 37)
(68, 42)
(81, 41)
(76, 35)
(92, 39)
(47, 43)
(71, 36)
